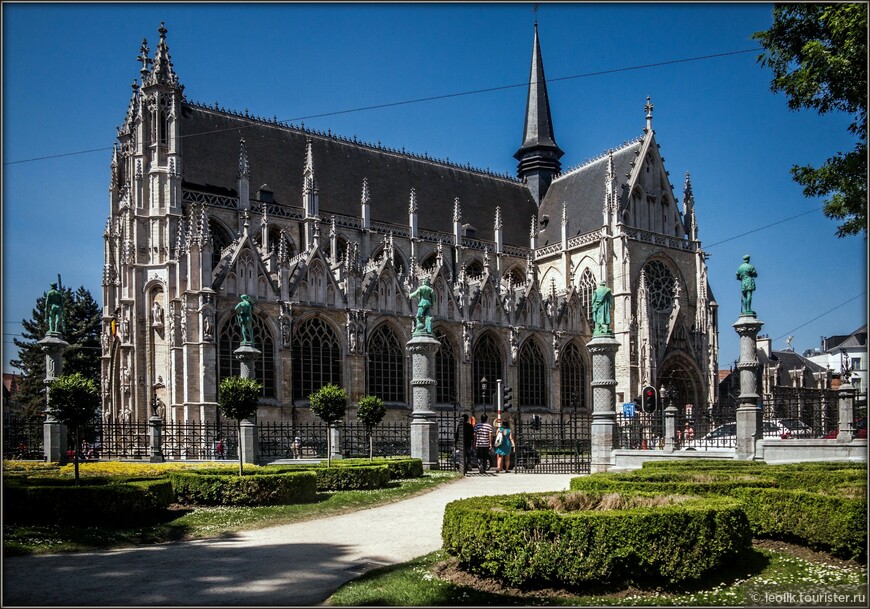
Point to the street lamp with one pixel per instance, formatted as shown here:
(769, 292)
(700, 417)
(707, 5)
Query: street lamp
(483, 385)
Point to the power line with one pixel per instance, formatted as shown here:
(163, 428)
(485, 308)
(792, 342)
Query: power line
(755, 230)
(423, 99)
(819, 316)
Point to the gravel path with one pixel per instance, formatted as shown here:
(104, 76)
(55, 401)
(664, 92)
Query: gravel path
(295, 564)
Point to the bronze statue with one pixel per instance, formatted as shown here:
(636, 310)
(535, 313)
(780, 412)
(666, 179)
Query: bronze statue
(746, 274)
(244, 312)
(54, 310)
(426, 294)
(602, 307)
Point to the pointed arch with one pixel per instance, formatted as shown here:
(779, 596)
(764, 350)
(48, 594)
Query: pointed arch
(316, 353)
(487, 362)
(532, 373)
(573, 378)
(385, 365)
(586, 289)
(221, 238)
(447, 388)
(230, 339)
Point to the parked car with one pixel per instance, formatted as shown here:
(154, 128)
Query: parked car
(793, 428)
(725, 436)
(859, 425)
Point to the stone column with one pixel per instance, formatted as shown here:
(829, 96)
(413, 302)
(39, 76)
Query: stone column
(155, 424)
(53, 432)
(604, 430)
(424, 426)
(248, 449)
(670, 428)
(846, 412)
(749, 413)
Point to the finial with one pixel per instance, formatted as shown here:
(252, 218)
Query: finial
(457, 214)
(143, 57)
(412, 204)
(365, 191)
(244, 168)
(498, 224)
(564, 213)
(649, 108)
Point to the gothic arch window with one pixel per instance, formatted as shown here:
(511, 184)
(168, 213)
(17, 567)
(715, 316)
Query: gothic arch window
(486, 362)
(264, 367)
(340, 248)
(474, 268)
(247, 273)
(532, 375)
(660, 286)
(385, 363)
(220, 239)
(275, 238)
(587, 289)
(573, 375)
(316, 357)
(429, 261)
(516, 275)
(398, 261)
(445, 370)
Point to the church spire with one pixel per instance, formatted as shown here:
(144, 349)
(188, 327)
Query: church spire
(539, 154)
(162, 72)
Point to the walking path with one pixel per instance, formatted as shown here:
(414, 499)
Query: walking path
(295, 564)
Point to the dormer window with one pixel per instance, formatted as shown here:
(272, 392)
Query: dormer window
(469, 231)
(265, 194)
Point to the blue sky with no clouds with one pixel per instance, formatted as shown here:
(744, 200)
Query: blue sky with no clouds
(67, 70)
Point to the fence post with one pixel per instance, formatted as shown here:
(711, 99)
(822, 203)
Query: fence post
(670, 429)
(248, 442)
(846, 412)
(155, 425)
(335, 441)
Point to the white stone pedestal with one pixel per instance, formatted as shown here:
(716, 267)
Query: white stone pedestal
(424, 424)
(53, 432)
(748, 412)
(604, 430)
(248, 448)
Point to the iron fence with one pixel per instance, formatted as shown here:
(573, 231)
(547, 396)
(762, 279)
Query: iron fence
(387, 440)
(120, 440)
(641, 431)
(554, 446)
(200, 441)
(22, 437)
(801, 412)
(449, 456)
(289, 441)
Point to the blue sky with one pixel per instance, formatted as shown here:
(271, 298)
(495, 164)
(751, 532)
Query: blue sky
(67, 70)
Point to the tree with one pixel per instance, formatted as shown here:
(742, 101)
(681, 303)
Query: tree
(73, 401)
(371, 412)
(83, 317)
(818, 54)
(329, 403)
(238, 399)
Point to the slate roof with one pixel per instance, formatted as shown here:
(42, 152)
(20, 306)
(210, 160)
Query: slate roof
(789, 360)
(583, 190)
(276, 154)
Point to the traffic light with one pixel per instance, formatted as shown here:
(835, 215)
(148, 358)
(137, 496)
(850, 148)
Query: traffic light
(507, 396)
(650, 399)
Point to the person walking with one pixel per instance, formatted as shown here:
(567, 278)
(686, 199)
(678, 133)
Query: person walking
(483, 443)
(504, 447)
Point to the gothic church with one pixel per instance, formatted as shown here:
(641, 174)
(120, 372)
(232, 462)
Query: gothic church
(329, 236)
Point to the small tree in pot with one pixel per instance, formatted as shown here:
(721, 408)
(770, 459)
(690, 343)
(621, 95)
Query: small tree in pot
(238, 399)
(371, 411)
(329, 403)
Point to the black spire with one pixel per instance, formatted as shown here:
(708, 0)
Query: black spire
(539, 154)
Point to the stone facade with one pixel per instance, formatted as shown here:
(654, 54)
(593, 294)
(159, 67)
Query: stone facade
(340, 232)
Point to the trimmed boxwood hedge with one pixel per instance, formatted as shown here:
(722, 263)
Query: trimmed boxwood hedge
(687, 483)
(95, 502)
(838, 524)
(501, 537)
(399, 468)
(204, 487)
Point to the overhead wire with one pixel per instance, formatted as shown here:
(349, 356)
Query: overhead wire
(419, 100)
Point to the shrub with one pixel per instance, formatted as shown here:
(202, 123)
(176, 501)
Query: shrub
(627, 537)
(95, 502)
(838, 524)
(344, 477)
(208, 488)
(400, 468)
(691, 483)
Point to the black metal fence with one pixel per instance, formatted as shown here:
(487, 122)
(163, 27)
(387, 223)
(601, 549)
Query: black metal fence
(22, 437)
(641, 430)
(309, 440)
(803, 412)
(554, 446)
(449, 456)
(387, 440)
(121, 440)
(205, 441)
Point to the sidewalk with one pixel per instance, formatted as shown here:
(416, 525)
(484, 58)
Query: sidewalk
(295, 564)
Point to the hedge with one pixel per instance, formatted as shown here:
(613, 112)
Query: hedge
(837, 524)
(699, 464)
(209, 488)
(517, 540)
(399, 468)
(703, 483)
(94, 503)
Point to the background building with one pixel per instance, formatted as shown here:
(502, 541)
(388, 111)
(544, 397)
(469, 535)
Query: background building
(329, 235)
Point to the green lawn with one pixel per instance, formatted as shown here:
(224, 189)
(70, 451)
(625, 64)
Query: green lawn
(415, 584)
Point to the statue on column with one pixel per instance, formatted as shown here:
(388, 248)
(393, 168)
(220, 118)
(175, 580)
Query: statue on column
(746, 274)
(54, 310)
(602, 309)
(244, 312)
(425, 293)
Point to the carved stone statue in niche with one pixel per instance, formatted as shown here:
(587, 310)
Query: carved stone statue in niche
(157, 316)
(207, 326)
